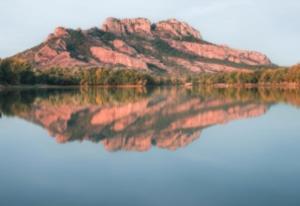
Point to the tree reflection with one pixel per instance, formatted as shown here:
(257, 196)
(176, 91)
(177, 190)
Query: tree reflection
(135, 119)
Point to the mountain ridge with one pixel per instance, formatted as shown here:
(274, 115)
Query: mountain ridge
(168, 46)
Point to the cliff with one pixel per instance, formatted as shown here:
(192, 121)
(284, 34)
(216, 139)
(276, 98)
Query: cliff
(165, 47)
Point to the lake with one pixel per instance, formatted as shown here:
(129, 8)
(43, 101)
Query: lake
(149, 146)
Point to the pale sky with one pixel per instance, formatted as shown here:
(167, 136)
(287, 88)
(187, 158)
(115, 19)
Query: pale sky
(269, 26)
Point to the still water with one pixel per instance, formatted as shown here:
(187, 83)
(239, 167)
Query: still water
(165, 146)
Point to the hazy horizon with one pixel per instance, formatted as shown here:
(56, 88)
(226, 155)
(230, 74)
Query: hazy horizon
(270, 27)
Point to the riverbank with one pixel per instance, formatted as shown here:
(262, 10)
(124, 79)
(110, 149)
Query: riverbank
(17, 74)
(183, 85)
(259, 85)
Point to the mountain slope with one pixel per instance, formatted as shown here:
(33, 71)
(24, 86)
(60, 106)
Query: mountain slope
(168, 46)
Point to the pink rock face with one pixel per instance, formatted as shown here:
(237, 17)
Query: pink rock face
(197, 66)
(48, 57)
(123, 47)
(221, 53)
(45, 54)
(138, 44)
(65, 60)
(175, 28)
(127, 26)
(169, 28)
(60, 31)
(112, 57)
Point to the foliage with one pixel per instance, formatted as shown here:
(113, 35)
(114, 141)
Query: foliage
(266, 76)
(16, 72)
(115, 77)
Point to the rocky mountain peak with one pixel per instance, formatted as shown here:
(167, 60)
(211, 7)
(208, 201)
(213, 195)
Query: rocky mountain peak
(178, 29)
(127, 26)
(166, 47)
(171, 28)
(60, 31)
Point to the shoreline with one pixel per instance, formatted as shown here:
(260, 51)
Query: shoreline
(3, 87)
(259, 85)
(185, 85)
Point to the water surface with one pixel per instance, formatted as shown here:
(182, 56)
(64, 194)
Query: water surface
(165, 146)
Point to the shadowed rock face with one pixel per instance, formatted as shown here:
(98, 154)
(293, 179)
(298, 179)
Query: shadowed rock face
(168, 119)
(168, 46)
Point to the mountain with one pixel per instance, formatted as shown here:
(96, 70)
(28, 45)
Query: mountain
(168, 46)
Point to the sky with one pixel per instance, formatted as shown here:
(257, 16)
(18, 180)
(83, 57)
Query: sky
(269, 26)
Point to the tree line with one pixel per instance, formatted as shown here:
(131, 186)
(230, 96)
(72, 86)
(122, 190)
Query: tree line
(262, 76)
(17, 72)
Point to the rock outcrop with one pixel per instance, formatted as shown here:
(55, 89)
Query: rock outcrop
(223, 53)
(111, 57)
(170, 46)
(174, 28)
(140, 26)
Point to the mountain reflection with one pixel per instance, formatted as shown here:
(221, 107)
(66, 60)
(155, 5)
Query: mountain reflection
(136, 119)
